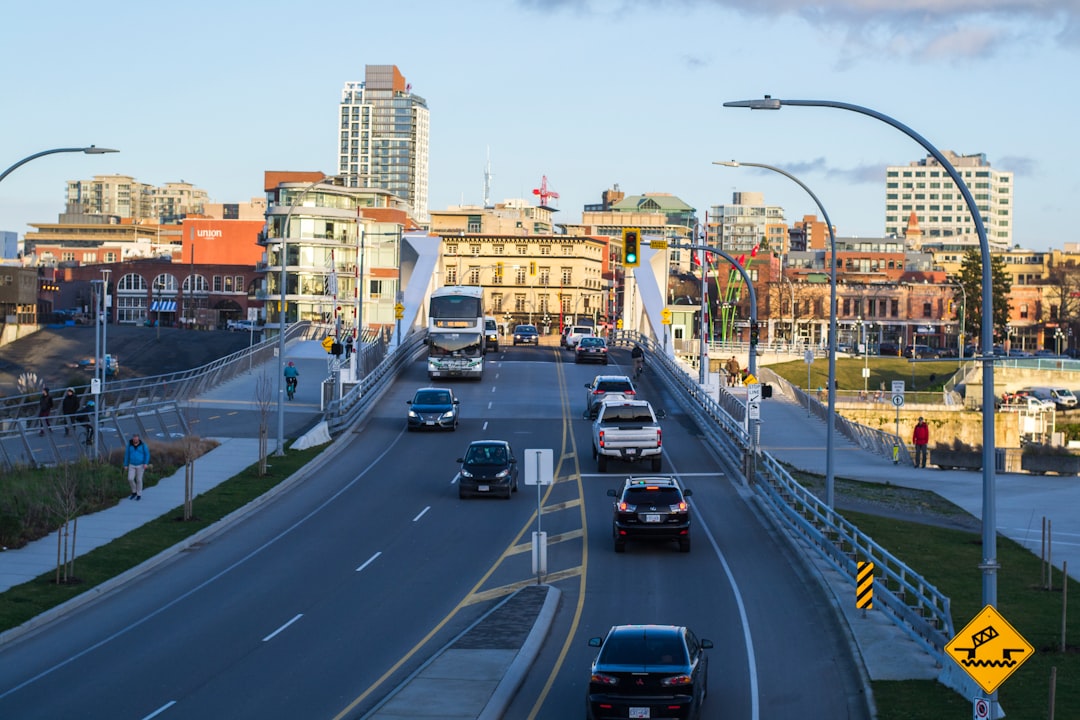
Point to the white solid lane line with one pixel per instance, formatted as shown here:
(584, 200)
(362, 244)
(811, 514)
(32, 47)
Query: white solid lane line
(369, 561)
(271, 635)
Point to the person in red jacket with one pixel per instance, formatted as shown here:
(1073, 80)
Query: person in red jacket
(920, 438)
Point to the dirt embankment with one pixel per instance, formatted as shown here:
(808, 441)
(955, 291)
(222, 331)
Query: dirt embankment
(54, 354)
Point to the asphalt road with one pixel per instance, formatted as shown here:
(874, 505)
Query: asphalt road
(53, 353)
(319, 604)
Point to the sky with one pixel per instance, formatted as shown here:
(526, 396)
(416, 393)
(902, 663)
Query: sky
(591, 94)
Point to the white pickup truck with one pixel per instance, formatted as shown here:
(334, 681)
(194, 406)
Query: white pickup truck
(574, 335)
(627, 430)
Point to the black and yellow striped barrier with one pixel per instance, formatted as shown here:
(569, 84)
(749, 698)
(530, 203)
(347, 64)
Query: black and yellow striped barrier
(864, 586)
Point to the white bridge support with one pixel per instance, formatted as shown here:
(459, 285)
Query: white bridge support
(644, 297)
(420, 254)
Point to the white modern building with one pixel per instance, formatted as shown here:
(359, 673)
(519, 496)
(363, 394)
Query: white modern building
(383, 137)
(924, 187)
(747, 223)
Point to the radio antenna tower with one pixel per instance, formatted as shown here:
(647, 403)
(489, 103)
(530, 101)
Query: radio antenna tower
(487, 180)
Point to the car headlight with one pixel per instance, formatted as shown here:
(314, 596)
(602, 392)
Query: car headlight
(448, 415)
(466, 473)
(413, 414)
(502, 473)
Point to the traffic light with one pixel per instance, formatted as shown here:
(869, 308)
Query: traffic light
(498, 270)
(754, 333)
(631, 247)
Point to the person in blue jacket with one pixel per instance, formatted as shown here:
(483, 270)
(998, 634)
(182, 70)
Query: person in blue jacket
(136, 458)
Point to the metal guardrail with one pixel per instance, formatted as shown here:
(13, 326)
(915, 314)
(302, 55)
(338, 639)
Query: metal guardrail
(25, 442)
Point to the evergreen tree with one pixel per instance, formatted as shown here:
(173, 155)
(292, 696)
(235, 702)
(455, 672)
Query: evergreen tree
(971, 277)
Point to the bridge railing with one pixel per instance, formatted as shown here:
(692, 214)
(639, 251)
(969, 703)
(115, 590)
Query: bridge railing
(917, 607)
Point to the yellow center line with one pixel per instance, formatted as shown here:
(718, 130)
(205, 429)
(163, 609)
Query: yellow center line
(475, 595)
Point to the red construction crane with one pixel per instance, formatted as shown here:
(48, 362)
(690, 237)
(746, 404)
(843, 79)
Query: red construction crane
(544, 193)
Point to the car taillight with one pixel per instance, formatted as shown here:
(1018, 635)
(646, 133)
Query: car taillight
(601, 438)
(681, 507)
(677, 681)
(597, 391)
(626, 507)
(659, 442)
(602, 679)
(628, 392)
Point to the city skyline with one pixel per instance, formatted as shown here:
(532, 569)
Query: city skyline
(591, 95)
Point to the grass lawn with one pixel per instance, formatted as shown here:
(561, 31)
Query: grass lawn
(917, 376)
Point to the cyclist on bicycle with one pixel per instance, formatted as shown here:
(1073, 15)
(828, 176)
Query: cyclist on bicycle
(638, 356)
(291, 376)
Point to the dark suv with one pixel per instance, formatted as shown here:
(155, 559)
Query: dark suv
(888, 349)
(601, 386)
(651, 508)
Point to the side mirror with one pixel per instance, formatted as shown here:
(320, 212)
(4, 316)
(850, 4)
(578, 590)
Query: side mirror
(588, 385)
(513, 461)
(456, 401)
(612, 493)
(661, 414)
(706, 644)
(461, 460)
(597, 642)
(687, 492)
(408, 402)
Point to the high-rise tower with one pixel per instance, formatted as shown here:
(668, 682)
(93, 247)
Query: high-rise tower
(383, 137)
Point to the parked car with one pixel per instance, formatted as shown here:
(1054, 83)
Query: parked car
(488, 467)
(591, 349)
(526, 335)
(921, 351)
(651, 508)
(600, 386)
(433, 408)
(888, 349)
(644, 671)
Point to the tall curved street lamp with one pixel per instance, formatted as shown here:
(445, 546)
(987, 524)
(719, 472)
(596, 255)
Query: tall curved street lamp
(92, 150)
(989, 564)
(830, 416)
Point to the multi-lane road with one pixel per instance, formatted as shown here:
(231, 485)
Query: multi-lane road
(320, 603)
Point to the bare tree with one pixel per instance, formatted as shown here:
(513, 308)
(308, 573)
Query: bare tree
(67, 505)
(264, 400)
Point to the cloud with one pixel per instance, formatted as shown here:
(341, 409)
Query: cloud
(867, 174)
(916, 29)
(1019, 165)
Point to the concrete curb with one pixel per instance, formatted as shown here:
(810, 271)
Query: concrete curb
(515, 674)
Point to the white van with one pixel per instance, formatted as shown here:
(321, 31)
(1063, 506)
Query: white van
(1063, 398)
(491, 334)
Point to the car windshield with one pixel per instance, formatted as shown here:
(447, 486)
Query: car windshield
(643, 649)
(592, 341)
(432, 397)
(525, 329)
(486, 455)
(614, 386)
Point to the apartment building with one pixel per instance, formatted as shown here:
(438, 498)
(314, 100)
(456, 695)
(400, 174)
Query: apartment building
(383, 137)
(923, 187)
(747, 222)
(125, 197)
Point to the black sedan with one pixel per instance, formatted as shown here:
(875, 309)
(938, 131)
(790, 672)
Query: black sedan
(648, 671)
(434, 409)
(526, 335)
(488, 468)
(591, 349)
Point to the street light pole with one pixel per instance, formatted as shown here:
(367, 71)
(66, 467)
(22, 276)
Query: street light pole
(989, 564)
(830, 416)
(92, 150)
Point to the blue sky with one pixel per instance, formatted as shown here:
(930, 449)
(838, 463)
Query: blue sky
(591, 94)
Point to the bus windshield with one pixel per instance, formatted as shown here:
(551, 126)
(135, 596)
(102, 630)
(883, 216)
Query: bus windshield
(454, 345)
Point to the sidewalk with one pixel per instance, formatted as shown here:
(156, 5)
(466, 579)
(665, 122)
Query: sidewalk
(1022, 500)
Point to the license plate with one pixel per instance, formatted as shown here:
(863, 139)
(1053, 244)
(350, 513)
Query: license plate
(429, 422)
(639, 712)
(484, 488)
(652, 518)
(631, 451)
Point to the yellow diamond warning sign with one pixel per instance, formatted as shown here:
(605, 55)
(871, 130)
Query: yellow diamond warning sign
(989, 649)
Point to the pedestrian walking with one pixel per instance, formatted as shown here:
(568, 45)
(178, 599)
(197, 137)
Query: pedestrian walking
(136, 458)
(45, 406)
(732, 368)
(69, 406)
(920, 438)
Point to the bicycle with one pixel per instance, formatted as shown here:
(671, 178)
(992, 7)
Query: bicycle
(639, 367)
(290, 387)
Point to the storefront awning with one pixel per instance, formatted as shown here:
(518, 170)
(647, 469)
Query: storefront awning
(168, 306)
